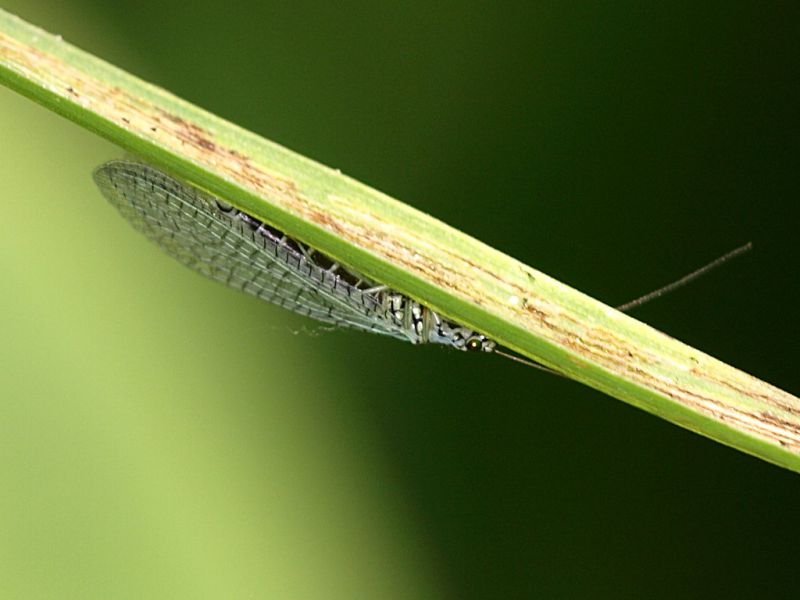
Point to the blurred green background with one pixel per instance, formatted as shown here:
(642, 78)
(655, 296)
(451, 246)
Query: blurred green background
(164, 437)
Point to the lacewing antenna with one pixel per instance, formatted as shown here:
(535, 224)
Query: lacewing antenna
(686, 279)
(670, 287)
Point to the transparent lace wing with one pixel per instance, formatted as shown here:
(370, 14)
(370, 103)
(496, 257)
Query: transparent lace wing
(220, 242)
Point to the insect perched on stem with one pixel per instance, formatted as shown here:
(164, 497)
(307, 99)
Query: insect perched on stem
(223, 243)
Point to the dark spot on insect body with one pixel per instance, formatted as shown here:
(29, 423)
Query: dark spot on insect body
(251, 222)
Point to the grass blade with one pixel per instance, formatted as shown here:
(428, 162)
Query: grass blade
(456, 275)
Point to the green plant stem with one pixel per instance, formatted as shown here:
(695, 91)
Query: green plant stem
(414, 253)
